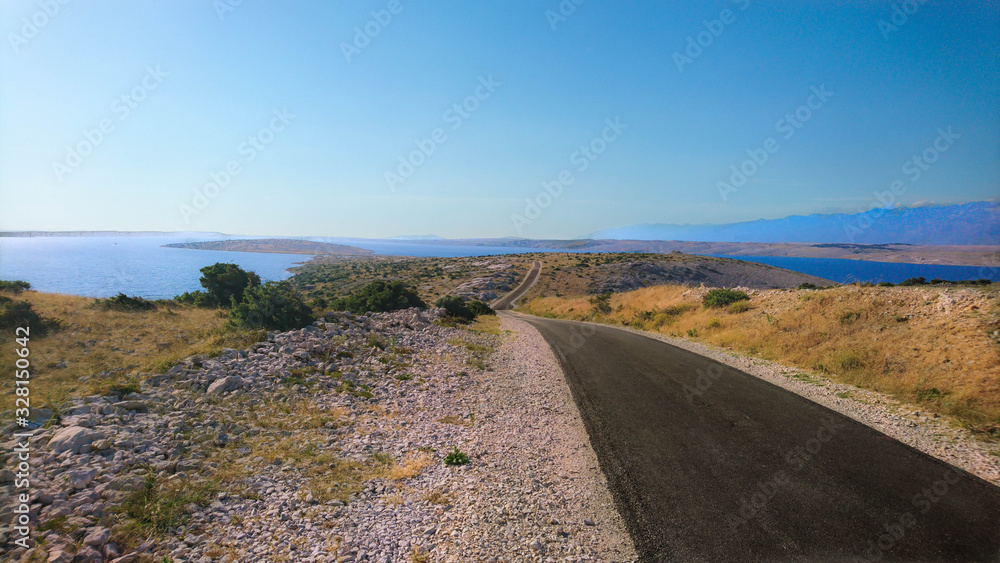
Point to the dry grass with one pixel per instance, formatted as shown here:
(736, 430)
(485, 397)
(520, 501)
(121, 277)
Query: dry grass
(410, 467)
(119, 344)
(488, 324)
(932, 346)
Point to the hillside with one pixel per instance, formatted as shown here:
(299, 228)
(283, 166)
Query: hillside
(935, 347)
(488, 277)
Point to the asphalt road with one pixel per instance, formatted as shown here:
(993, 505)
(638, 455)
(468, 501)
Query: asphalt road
(507, 301)
(707, 463)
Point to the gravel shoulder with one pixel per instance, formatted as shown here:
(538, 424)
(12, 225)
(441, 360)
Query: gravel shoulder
(327, 444)
(932, 434)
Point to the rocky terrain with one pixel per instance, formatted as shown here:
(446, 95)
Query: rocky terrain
(626, 276)
(274, 245)
(326, 444)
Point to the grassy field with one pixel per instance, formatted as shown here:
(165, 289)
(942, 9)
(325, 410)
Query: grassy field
(95, 349)
(935, 347)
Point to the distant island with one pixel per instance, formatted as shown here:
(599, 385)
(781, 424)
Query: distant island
(274, 245)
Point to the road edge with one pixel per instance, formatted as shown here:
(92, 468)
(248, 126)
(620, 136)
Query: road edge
(610, 525)
(936, 436)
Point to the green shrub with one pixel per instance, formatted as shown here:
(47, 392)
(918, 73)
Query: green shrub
(601, 303)
(913, 281)
(14, 286)
(272, 306)
(479, 308)
(807, 285)
(741, 306)
(227, 283)
(456, 307)
(379, 297)
(198, 299)
(122, 302)
(714, 322)
(456, 458)
(724, 297)
(15, 314)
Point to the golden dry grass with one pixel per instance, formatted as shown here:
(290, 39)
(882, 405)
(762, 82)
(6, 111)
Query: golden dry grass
(932, 346)
(410, 467)
(93, 340)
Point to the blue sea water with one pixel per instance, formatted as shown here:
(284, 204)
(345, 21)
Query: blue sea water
(851, 271)
(105, 266)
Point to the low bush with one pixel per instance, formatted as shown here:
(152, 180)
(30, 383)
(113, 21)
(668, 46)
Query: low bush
(459, 308)
(122, 302)
(14, 286)
(15, 314)
(741, 306)
(272, 306)
(379, 297)
(479, 308)
(601, 303)
(724, 297)
(198, 298)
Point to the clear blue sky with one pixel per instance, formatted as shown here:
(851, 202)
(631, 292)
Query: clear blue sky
(216, 81)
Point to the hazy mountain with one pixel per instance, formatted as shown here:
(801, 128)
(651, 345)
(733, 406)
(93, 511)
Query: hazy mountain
(970, 223)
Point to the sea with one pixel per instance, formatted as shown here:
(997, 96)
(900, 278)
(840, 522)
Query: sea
(102, 266)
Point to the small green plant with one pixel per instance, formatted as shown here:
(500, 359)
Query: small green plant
(849, 361)
(739, 307)
(373, 340)
(724, 297)
(693, 333)
(849, 317)
(714, 323)
(404, 376)
(601, 303)
(807, 285)
(843, 395)
(456, 458)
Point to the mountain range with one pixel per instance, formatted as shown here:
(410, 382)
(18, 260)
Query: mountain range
(975, 223)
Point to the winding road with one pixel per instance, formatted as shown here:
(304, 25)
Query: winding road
(707, 463)
(507, 301)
